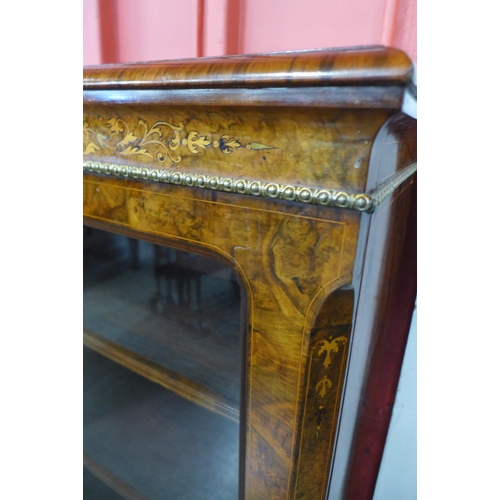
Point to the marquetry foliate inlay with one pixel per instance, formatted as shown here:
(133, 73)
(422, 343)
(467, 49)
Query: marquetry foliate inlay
(324, 386)
(162, 141)
(326, 349)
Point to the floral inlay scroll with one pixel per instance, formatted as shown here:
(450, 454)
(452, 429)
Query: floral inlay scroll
(326, 348)
(163, 140)
(329, 347)
(326, 369)
(323, 385)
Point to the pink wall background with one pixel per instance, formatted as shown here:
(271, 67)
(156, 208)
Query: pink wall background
(145, 30)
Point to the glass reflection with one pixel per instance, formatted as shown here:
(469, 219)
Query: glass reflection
(176, 308)
(148, 305)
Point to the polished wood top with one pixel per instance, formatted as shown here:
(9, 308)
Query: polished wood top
(373, 65)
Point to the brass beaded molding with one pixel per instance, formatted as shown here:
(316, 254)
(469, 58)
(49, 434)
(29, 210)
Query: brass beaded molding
(361, 202)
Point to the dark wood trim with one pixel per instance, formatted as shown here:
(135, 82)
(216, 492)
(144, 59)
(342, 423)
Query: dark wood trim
(391, 330)
(320, 97)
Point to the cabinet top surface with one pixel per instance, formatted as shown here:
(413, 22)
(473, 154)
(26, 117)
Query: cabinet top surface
(374, 65)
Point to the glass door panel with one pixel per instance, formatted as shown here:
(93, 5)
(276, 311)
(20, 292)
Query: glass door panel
(162, 371)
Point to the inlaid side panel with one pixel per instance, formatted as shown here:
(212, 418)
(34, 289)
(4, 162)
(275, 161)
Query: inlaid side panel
(328, 349)
(290, 259)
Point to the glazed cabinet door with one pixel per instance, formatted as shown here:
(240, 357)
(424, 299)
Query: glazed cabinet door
(162, 371)
(277, 368)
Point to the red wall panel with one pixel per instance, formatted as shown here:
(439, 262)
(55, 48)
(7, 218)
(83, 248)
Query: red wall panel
(91, 33)
(156, 29)
(141, 30)
(299, 24)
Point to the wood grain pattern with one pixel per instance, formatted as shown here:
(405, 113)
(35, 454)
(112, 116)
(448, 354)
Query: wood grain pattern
(312, 148)
(365, 65)
(348, 97)
(293, 262)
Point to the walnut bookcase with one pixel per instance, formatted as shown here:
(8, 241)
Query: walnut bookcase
(298, 172)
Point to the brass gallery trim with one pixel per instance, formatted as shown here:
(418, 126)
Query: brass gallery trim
(362, 202)
(385, 189)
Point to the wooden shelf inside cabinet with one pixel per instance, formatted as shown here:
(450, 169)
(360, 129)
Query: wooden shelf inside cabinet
(138, 438)
(168, 379)
(297, 171)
